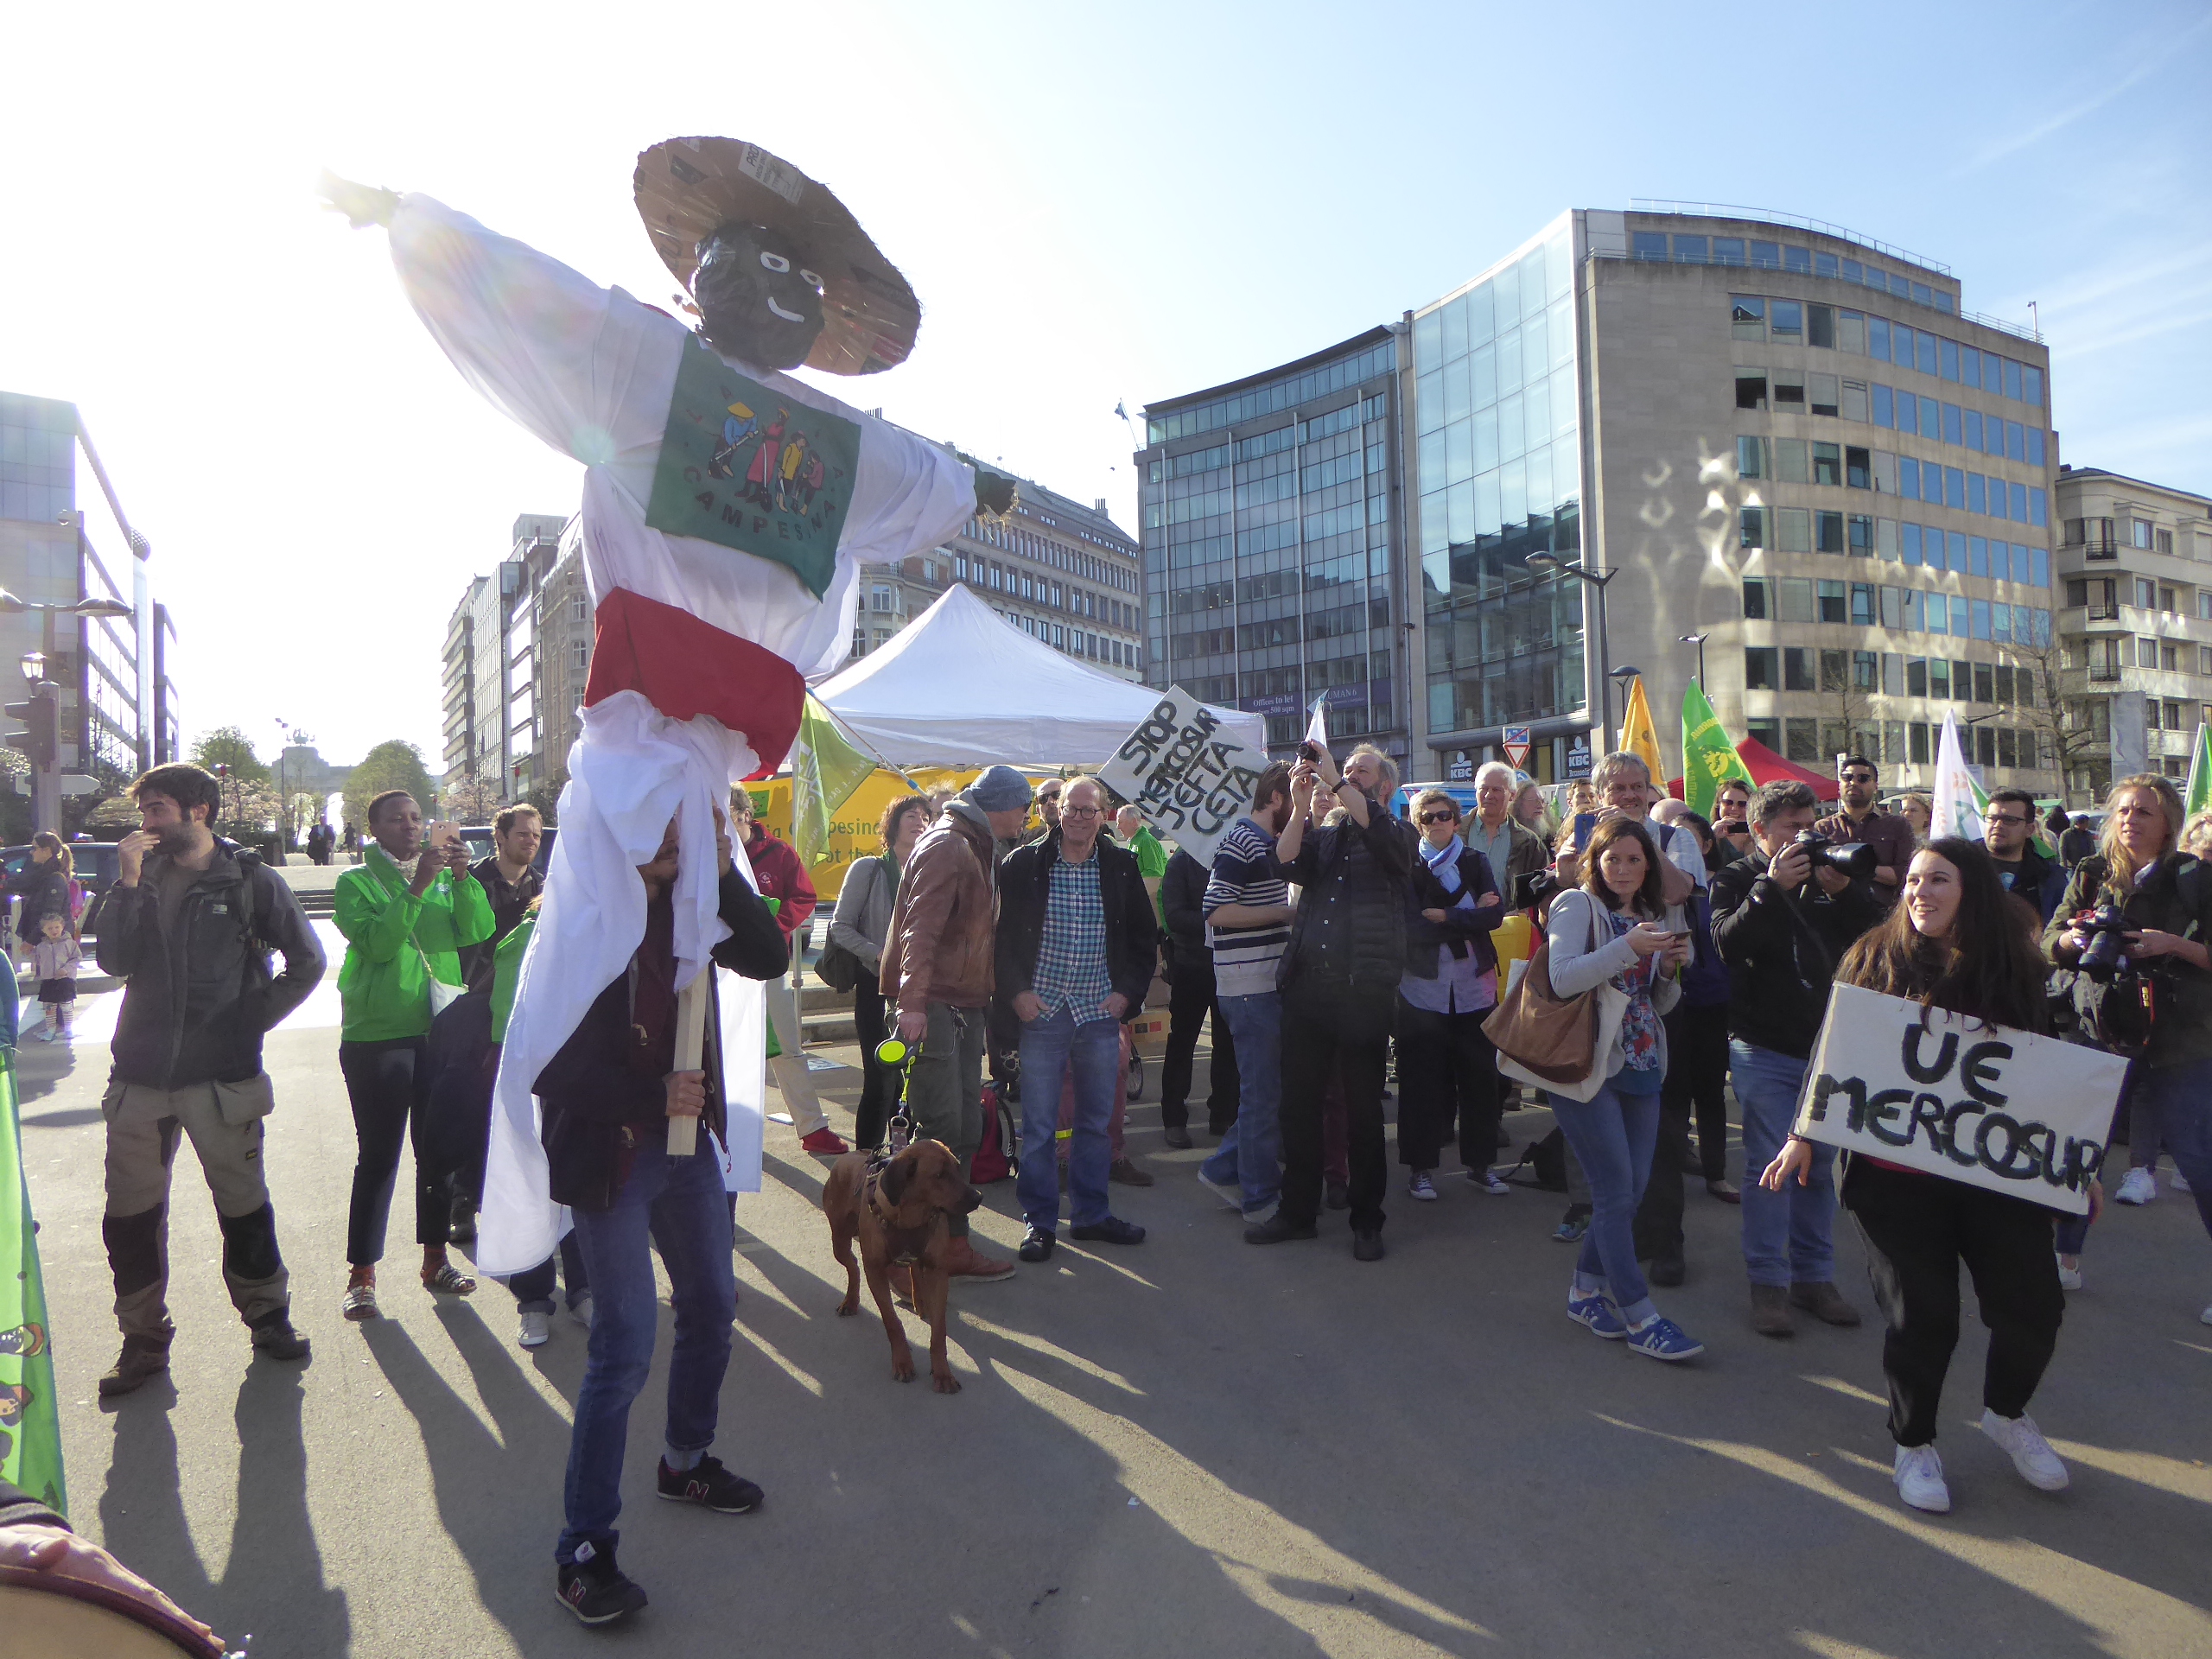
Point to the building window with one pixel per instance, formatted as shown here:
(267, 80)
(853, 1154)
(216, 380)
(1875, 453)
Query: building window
(1832, 602)
(1750, 454)
(1793, 530)
(1828, 463)
(1758, 600)
(1854, 400)
(1752, 532)
(1788, 392)
(1826, 395)
(1857, 468)
(1750, 389)
(1790, 463)
(1796, 668)
(1787, 320)
(1828, 530)
(1758, 668)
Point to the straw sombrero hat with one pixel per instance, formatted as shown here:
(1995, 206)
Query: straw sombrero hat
(686, 188)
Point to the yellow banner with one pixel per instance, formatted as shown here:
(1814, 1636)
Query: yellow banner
(855, 830)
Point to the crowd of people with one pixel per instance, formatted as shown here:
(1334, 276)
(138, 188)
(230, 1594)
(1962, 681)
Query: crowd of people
(1345, 958)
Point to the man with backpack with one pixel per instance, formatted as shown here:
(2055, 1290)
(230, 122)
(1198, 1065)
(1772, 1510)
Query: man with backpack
(188, 926)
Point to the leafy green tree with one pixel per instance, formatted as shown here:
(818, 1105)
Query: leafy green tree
(394, 764)
(228, 746)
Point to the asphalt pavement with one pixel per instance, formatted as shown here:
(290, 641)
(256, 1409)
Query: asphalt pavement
(1190, 1446)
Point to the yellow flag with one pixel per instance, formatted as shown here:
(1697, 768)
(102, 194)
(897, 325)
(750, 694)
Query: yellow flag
(1638, 736)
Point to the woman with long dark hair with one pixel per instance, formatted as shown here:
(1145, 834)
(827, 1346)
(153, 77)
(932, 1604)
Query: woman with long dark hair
(1954, 943)
(2164, 894)
(1617, 926)
(861, 921)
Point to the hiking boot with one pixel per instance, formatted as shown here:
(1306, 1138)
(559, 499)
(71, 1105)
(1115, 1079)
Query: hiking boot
(1770, 1312)
(594, 1589)
(1824, 1302)
(963, 1260)
(707, 1484)
(141, 1359)
(275, 1337)
(1126, 1172)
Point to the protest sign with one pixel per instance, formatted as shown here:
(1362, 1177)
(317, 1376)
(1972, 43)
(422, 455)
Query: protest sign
(1984, 1104)
(1191, 775)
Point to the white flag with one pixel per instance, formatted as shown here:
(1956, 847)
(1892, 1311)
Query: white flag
(1317, 729)
(1958, 803)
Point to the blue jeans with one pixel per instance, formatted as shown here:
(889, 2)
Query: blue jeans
(1614, 1134)
(677, 1205)
(2179, 1099)
(1050, 1047)
(1251, 1153)
(1788, 1236)
(533, 1286)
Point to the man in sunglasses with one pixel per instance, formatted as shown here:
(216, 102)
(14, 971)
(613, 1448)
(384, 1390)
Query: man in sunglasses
(2007, 829)
(1861, 821)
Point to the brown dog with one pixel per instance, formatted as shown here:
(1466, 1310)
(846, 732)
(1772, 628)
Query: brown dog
(899, 1218)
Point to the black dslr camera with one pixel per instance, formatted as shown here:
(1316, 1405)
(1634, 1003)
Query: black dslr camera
(2105, 957)
(1855, 859)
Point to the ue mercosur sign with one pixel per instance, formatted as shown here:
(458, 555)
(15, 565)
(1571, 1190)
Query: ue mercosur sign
(1984, 1104)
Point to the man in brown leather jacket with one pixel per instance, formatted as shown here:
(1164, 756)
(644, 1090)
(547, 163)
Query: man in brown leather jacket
(937, 971)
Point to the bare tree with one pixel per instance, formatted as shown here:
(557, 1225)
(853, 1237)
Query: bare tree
(2051, 699)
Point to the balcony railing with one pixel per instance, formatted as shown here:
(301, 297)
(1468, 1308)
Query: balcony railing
(2104, 674)
(2103, 550)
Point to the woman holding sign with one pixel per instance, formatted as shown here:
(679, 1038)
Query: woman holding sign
(1617, 926)
(1952, 944)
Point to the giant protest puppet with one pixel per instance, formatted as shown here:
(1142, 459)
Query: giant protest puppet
(728, 509)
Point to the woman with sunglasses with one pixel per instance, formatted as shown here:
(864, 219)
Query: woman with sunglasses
(1447, 1070)
(1954, 942)
(2164, 896)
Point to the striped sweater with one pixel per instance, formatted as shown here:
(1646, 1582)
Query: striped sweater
(1245, 873)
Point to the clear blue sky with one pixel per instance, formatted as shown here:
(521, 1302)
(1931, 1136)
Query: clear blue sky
(1094, 203)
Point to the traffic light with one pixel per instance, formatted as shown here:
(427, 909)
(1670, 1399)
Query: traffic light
(40, 736)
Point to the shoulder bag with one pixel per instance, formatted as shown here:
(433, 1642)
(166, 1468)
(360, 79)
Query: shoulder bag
(1557, 1044)
(835, 966)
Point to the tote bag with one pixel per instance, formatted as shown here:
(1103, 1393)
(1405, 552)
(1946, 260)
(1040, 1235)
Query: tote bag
(1558, 1044)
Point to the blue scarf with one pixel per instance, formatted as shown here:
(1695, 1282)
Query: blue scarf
(1444, 864)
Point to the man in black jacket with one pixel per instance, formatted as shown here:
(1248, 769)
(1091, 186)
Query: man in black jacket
(1339, 978)
(1075, 945)
(606, 1097)
(1189, 999)
(1782, 924)
(188, 926)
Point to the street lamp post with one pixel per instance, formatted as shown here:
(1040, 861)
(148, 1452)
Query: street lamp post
(1601, 580)
(1697, 639)
(46, 795)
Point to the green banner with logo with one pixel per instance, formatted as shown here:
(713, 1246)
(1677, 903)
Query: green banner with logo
(746, 468)
(30, 1428)
(1709, 759)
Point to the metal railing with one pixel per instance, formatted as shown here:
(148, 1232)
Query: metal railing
(1842, 234)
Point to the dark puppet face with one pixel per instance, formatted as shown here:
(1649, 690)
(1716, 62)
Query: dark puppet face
(759, 301)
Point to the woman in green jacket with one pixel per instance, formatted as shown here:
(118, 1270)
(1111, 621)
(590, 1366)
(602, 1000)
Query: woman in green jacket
(406, 910)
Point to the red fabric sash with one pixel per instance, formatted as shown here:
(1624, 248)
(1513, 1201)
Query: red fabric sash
(686, 667)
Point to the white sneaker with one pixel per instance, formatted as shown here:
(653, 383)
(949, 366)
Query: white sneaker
(581, 1311)
(2206, 1316)
(1919, 1475)
(2069, 1278)
(1422, 1187)
(537, 1329)
(2136, 1186)
(2031, 1453)
(2179, 1182)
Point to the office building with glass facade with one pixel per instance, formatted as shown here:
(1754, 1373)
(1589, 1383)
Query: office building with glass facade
(1761, 447)
(119, 714)
(1271, 520)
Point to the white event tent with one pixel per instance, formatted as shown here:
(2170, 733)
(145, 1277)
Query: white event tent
(961, 686)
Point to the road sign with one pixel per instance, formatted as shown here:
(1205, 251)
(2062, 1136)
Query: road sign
(76, 783)
(1515, 746)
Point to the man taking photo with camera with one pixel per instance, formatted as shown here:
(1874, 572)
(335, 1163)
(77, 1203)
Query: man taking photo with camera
(1782, 918)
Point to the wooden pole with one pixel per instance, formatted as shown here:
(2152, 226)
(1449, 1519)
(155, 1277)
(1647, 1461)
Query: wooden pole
(690, 1048)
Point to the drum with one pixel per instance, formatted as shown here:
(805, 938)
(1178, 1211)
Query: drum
(60, 1617)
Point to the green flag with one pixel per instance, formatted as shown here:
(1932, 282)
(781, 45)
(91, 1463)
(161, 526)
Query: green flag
(826, 768)
(1709, 759)
(2199, 770)
(30, 1429)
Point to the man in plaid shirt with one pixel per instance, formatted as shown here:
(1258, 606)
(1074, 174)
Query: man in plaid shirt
(1077, 942)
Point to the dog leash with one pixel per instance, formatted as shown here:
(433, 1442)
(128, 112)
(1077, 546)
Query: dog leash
(897, 1053)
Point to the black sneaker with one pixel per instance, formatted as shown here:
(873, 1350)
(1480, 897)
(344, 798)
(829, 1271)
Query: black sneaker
(708, 1482)
(593, 1588)
(1367, 1247)
(1112, 1230)
(1274, 1231)
(1037, 1244)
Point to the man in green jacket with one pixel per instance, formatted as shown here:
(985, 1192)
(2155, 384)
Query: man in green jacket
(406, 911)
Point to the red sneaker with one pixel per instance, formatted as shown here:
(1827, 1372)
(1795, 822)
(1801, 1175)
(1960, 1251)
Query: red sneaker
(825, 1141)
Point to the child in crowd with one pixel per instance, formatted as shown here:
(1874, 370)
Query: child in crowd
(55, 960)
